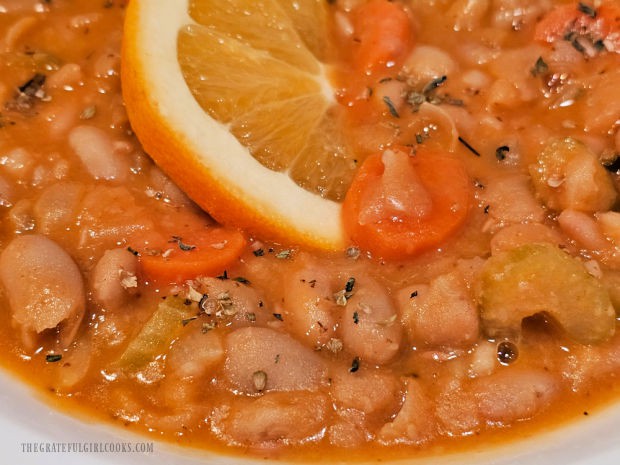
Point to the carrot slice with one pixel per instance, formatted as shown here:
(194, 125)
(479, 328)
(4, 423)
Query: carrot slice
(384, 35)
(565, 22)
(411, 215)
(207, 253)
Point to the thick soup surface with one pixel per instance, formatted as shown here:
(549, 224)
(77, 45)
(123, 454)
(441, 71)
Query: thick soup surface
(477, 299)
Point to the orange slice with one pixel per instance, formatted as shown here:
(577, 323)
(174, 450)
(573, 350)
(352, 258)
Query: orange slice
(231, 99)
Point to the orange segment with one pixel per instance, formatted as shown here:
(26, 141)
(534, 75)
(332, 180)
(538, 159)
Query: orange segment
(236, 108)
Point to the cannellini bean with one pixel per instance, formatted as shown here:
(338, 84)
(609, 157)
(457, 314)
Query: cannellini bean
(426, 63)
(68, 77)
(75, 364)
(519, 234)
(499, 196)
(348, 430)
(366, 390)
(275, 416)
(96, 151)
(109, 214)
(163, 186)
(308, 308)
(442, 314)
(602, 102)
(17, 162)
(391, 90)
(503, 93)
(413, 424)
(57, 206)
(468, 14)
(15, 32)
(44, 287)
(483, 359)
(114, 277)
(514, 394)
(584, 229)
(242, 301)
(475, 80)
(609, 224)
(370, 327)
(512, 14)
(456, 410)
(194, 353)
(6, 193)
(263, 359)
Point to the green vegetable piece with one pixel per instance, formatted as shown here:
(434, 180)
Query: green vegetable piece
(157, 334)
(536, 278)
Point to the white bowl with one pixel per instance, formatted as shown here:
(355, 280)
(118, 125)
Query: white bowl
(28, 423)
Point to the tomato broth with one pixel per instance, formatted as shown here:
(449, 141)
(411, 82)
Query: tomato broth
(475, 305)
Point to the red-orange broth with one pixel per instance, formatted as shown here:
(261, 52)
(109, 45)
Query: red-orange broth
(504, 329)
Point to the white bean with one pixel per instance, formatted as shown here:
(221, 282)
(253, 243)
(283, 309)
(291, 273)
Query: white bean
(414, 423)
(44, 287)
(426, 63)
(194, 353)
(308, 308)
(275, 416)
(584, 229)
(442, 314)
(370, 327)
(263, 359)
(96, 151)
(114, 278)
(514, 394)
(369, 391)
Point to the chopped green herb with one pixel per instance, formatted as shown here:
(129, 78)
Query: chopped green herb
(434, 84)
(206, 327)
(341, 298)
(88, 112)
(259, 252)
(242, 280)
(586, 9)
(486, 209)
(540, 67)
(53, 358)
(413, 294)
(278, 316)
(133, 251)
(500, 152)
(184, 247)
(468, 146)
(353, 253)
(187, 321)
(356, 318)
(223, 276)
(392, 109)
(284, 254)
(355, 365)
(259, 379)
(349, 285)
(334, 345)
(575, 41)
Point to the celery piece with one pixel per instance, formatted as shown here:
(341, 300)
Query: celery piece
(536, 278)
(157, 334)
